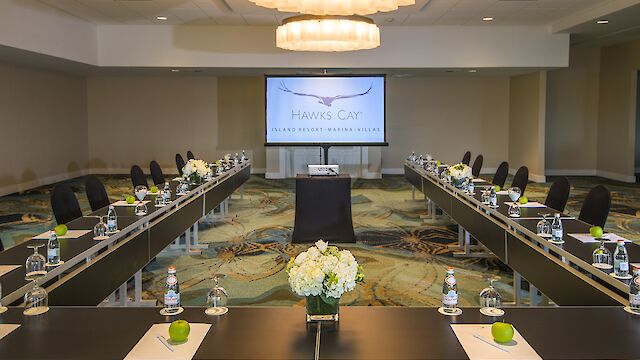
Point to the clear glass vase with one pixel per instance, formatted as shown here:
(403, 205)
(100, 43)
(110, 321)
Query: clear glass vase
(320, 308)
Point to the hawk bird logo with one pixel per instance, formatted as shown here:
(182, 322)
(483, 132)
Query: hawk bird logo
(324, 100)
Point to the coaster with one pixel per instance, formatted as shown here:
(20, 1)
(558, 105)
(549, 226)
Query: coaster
(491, 311)
(141, 213)
(216, 311)
(559, 242)
(159, 206)
(3, 309)
(514, 216)
(630, 310)
(494, 206)
(36, 311)
(100, 238)
(169, 312)
(54, 265)
(112, 232)
(455, 312)
(627, 277)
(545, 236)
(602, 266)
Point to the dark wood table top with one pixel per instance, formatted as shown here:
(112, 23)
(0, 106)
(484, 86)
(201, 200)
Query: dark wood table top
(282, 333)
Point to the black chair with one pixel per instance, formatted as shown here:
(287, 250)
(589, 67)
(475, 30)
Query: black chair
(156, 173)
(596, 206)
(96, 193)
(64, 204)
(477, 166)
(521, 178)
(179, 163)
(190, 155)
(138, 177)
(558, 194)
(1, 246)
(466, 159)
(501, 174)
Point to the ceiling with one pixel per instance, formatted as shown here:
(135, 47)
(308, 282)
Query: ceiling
(243, 12)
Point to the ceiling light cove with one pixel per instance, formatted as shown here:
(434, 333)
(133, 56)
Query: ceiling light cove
(487, 18)
(334, 7)
(161, 18)
(602, 21)
(327, 33)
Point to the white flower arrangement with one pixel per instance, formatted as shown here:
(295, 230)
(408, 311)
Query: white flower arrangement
(324, 270)
(459, 171)
(195, 167)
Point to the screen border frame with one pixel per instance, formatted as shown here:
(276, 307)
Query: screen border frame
(384, 143)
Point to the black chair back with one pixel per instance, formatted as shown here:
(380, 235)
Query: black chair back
(96, 193)
(558, 194)
(64, 204)
(477, 166)
(1, 246)
(596, 206)
(466, 159)
(521, 178)
(190, 155)
(179, 163)
(156, 173)
(138, 177)
(501, 174)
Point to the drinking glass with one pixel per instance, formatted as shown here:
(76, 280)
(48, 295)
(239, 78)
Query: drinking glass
(514, 195)
(544, 226)
(141, 192)
(36, 300)
(100, 230)
(36, 264)
(217, 296)
(602, 257)
(490, 297)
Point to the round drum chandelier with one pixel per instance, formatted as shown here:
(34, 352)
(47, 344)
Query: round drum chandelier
(327, 33)
(334, 7)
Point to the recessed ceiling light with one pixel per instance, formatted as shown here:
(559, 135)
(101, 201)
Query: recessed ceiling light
(487, 18)
(473, 71)
(603, 21)
(175, 70)
(161, 18)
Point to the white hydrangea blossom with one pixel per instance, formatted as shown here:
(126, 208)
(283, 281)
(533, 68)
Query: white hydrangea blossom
(199, 167)
(324, 270)
(460, 171)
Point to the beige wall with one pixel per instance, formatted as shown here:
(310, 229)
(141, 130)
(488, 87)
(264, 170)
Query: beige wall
(44, 126)
(617, 117)
(572, 115)
(527, 123)
(446, 116)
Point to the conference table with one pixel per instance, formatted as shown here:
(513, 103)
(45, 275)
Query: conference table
(282, 333)
(92, 270)
(563, 272)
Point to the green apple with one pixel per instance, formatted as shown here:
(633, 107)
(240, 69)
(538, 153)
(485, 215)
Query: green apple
(179, 330)
(61, 229)
(596, 231)
(154, 189)
(523, 200)
(502, 332)
(438, 163)
(130, 199)
(498, 188)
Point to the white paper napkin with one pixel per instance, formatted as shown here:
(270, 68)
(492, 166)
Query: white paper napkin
(124, 203)
(149, 347)
(477, 180)
(5, 269)
(587, 238)
(177, 178)
(503, 192)
(71, 234)
(6, 329)
(478, 349)
(530, 204)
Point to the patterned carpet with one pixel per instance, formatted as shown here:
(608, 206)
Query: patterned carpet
(404, 258)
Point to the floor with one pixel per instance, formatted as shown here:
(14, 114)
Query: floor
(404, 258)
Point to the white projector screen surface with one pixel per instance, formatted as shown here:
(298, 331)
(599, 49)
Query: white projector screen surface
(316, 110)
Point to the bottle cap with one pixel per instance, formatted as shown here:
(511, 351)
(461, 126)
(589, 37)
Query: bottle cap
(172, 269)
(450, 270)
(620, 241)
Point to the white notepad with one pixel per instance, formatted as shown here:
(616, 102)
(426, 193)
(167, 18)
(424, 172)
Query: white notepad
(71, 234)
(530, 204)
(587, 238)
(481, 348)
(149, 347)
(6, 329)
(124, 203)
(5, 269)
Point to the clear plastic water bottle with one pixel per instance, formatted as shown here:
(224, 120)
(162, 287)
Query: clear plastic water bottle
(634, 290)
(172, 290)
(421, 161)
(471, 187)
(493, 197)
(449, 292)
(556, 228)
(412, 158)
(236, 160)
(112, 220)
(53, 248)
(166, 193)
(621, 260)
(244, 156)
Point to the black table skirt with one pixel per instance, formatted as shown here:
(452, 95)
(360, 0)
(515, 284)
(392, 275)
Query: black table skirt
(323, 209)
